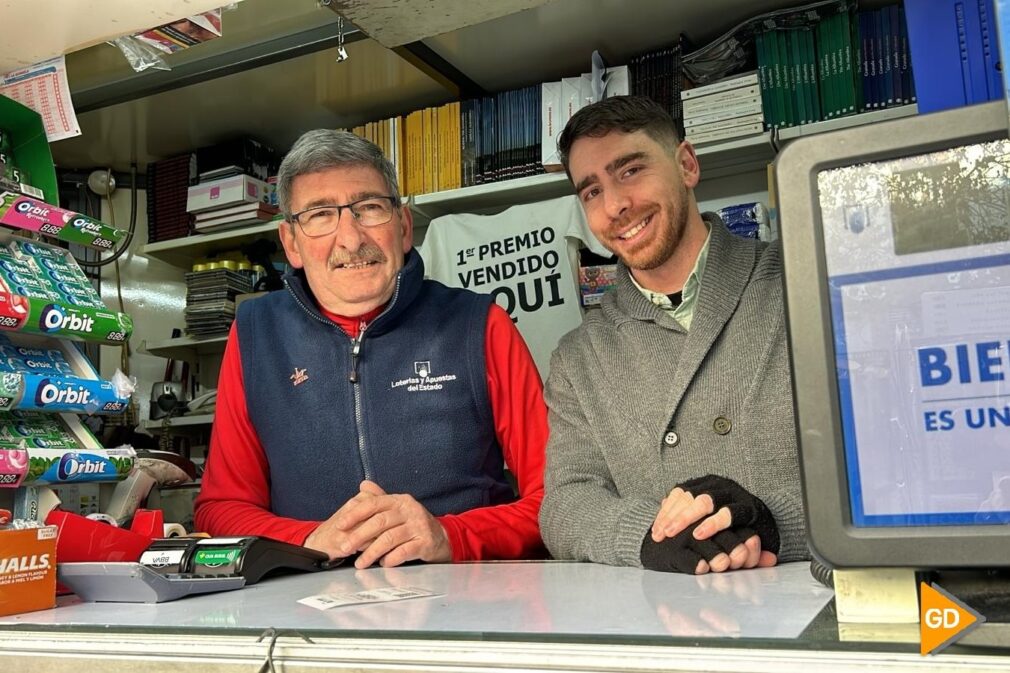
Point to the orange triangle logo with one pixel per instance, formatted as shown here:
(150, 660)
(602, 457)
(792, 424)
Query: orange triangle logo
(942, 619)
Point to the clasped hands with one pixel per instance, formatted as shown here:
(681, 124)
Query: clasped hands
(711, 524)
(390, 529)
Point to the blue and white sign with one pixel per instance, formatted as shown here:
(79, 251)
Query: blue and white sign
(918, 256)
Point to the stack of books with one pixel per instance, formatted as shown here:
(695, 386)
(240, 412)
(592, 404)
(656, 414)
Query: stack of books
(235, 216)
(230, 201)
(723, 110)
(658, 75)
(167, 185)
(210, 299)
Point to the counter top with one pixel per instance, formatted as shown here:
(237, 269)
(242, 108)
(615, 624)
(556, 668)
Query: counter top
(487, 617)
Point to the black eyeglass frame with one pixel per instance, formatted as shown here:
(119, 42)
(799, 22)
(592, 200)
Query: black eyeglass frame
(393, 202)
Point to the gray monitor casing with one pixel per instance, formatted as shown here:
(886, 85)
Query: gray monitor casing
(808, 318)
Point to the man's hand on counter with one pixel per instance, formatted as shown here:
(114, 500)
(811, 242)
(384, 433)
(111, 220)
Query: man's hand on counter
(390, 529)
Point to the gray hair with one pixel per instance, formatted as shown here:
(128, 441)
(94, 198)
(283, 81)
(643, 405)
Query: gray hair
(321, 149)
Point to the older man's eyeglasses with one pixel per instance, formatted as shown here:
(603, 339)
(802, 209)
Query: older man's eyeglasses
(323, 220)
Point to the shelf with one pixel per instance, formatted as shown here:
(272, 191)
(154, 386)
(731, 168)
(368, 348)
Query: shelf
(196, 421)
(743, 155)
(185, 348)
(848, 122)
(182, 252)
(493, 195)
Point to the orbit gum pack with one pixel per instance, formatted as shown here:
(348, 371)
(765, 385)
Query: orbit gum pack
(24, 432)
(43, 291)
(61, 394)
(36, 376)
(58, 466)
(22, 212)
(13, 465)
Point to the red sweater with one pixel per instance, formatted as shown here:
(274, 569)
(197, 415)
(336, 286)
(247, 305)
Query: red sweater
(235, 496)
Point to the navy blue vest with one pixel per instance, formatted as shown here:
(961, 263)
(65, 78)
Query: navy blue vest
(417, 421)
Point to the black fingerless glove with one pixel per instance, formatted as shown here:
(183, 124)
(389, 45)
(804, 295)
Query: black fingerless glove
(674, 554)
(681, 553)
(748, 511)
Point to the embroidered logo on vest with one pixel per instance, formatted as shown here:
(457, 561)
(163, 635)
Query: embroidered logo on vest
(423, 380)
(299, 377)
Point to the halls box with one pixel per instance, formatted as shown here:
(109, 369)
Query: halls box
(27, 570)
(226, 192)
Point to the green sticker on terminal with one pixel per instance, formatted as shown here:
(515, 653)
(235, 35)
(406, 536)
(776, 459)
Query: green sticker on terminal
(216, 557)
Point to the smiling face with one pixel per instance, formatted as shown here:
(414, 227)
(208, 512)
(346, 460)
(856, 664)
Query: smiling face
(637, 199)
(352, 270)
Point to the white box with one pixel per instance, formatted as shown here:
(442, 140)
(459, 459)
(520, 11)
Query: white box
(571, 100)
(227, 192)
(616, 82)
(552, 121)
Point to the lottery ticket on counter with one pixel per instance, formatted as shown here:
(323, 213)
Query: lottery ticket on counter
(384, 595)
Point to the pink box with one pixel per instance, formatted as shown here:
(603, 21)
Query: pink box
(226, 192)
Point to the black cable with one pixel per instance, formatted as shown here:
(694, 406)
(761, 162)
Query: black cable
(822, 573)
(773, 138)
(130, 230)
(273, 635)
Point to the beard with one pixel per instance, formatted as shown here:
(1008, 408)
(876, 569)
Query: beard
(654, 253)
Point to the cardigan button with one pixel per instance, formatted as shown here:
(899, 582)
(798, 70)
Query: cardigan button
(722, 425)
(671, 438)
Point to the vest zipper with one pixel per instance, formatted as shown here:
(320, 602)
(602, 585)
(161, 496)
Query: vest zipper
(355, 353)
(355, 357)
(356, 391)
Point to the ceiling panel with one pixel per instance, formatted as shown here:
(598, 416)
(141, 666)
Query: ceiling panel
(274, 103)
(558, 38)
(68, 26)
(397, 22)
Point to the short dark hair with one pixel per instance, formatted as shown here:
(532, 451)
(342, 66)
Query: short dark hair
(626, 114)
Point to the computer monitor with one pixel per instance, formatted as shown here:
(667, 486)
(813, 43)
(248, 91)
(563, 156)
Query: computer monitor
(896, 243)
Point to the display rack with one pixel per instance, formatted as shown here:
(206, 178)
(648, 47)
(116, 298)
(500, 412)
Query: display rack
(46, 302)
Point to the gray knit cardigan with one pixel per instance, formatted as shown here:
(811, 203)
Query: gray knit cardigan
(637, 405)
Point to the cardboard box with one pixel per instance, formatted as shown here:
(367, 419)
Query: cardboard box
(27, 570)
(226, 192)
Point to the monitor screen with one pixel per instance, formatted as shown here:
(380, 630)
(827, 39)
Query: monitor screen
(899, 318)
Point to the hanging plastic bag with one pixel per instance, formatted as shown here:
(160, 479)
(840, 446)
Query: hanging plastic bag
(146, 49)
(139, 55)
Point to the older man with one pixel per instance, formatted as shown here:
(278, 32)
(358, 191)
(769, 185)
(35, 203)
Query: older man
(363, 408)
